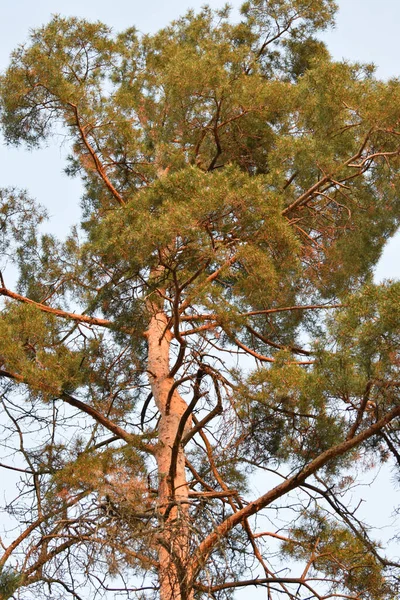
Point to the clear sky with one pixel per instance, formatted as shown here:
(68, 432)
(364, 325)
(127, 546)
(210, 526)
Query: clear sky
(366, 30)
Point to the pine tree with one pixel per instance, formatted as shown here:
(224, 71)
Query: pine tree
(213, 317)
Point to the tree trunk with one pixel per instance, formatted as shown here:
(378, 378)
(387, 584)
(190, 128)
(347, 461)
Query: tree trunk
(173, 492)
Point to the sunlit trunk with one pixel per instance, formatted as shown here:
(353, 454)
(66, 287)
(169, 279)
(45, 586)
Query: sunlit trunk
(173, 491)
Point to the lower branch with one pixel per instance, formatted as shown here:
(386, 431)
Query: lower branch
(207, 546)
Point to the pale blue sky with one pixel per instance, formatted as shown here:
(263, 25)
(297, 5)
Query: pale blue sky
(366, 30)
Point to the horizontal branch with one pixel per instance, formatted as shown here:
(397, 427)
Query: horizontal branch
(11, 468)
(222, 494)
(267, 311)
(245, 583)
(62, 313)
(268, 342)
(270, 311)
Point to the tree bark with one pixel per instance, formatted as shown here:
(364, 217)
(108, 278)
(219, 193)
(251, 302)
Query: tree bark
(173, 492)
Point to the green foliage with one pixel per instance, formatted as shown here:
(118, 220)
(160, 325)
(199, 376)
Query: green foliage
(56, 60)
(30, 348)
(334, 550)
(20, 218)
(10, 581)
(297, 413)
(116, 473)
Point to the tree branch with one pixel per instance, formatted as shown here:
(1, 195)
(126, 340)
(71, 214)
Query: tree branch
(62, 313)
(206, 547)
(99, 167)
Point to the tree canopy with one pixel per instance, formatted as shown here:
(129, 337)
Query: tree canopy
(211, 319)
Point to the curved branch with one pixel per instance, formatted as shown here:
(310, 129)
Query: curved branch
(268, 359)
(9, 550)
(269, 342)
(181, 428)
(98, 165)
(130, 438)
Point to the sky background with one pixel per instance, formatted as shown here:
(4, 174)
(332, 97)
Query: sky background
(366, 31)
